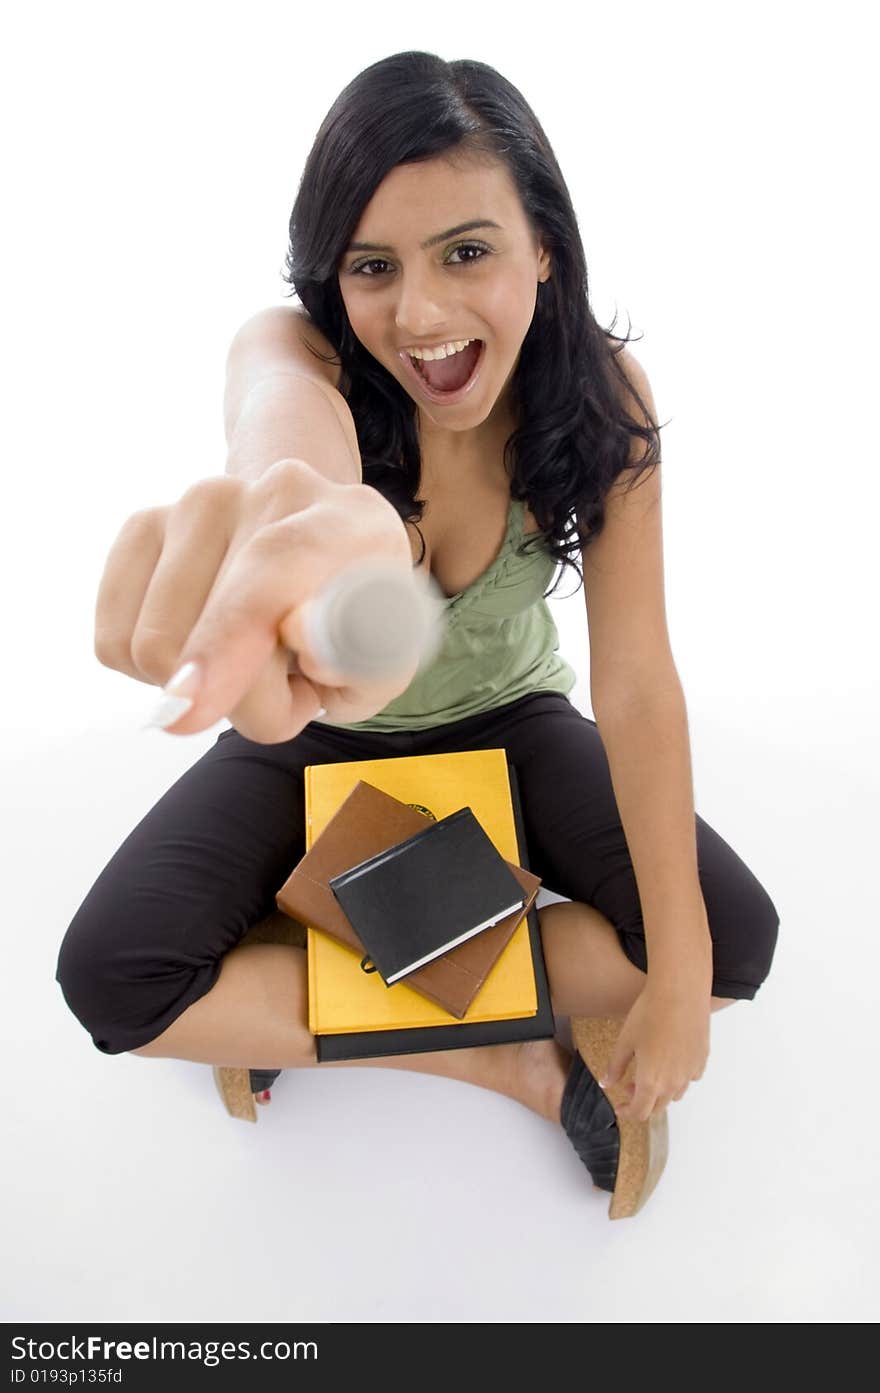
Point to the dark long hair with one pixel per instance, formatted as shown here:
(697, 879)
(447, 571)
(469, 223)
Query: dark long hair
(574, 435)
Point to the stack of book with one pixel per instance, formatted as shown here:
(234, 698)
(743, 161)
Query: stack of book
(419, 905)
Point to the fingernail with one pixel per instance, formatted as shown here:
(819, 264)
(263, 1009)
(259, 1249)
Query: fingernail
(178, 696)
(318, 714)
(603, 1083)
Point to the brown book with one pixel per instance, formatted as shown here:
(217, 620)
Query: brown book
(368, 822)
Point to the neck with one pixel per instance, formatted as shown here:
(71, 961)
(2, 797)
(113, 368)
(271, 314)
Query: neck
(481, 447)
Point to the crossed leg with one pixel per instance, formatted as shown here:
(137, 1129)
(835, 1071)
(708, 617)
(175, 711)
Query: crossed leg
(256, 1014)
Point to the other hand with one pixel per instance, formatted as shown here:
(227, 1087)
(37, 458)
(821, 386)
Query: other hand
(666, 1038)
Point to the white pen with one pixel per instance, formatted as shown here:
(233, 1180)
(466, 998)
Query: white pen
(371, 620)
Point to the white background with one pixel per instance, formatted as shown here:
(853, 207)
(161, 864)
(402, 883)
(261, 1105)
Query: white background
(719, 162)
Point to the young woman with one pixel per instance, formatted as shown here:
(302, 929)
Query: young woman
(443, 398)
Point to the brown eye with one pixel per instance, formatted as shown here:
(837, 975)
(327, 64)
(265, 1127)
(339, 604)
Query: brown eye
(360, 267)
(470, 246)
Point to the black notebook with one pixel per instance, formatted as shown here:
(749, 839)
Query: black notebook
(427, 894)
(378, 1044)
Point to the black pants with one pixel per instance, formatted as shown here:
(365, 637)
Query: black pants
(206, 861)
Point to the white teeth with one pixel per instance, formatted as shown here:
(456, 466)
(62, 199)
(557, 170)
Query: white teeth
(445, 350)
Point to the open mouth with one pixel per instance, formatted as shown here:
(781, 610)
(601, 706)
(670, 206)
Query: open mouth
(449, 380)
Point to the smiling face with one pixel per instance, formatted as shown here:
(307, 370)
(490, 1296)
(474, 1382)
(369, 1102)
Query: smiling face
(426, 280)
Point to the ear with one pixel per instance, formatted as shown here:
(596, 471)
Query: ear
(543, 265)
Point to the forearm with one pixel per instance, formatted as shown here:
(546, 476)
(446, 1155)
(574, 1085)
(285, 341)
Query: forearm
(292, 414)
(648, 751)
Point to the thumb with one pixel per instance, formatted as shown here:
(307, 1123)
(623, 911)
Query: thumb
(178, 696)
(617, 1064)
(205, 689)
(187, 705)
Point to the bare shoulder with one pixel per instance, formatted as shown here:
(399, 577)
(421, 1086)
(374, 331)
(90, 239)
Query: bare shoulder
(281, 335)
(315, 341)
(635, 396)
(630, 650)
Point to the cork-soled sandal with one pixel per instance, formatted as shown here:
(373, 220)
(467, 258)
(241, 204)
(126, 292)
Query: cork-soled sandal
(238, 1086)
(234, 1087)
(623, 1156)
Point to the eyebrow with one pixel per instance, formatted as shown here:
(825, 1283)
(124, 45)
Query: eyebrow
(431, 241)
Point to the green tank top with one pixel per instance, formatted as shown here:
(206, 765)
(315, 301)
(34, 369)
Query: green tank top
(500, 643)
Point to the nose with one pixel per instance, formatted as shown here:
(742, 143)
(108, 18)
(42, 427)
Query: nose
(422, 310)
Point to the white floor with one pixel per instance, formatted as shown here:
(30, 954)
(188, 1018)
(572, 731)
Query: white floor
(371, 1194)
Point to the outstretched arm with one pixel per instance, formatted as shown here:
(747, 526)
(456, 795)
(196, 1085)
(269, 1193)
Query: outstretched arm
(282, 402)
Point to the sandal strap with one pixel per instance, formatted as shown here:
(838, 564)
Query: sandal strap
(591, 1125)
(262, 1079)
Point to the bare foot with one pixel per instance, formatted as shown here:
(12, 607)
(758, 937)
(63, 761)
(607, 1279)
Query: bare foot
(541, 1069)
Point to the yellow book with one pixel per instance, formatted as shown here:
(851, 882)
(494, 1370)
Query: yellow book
(342, 998)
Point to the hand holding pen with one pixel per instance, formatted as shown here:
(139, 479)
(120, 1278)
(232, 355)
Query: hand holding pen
(267, 602)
